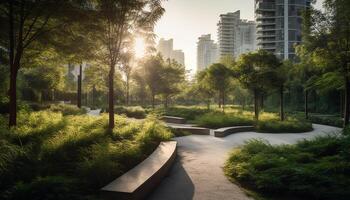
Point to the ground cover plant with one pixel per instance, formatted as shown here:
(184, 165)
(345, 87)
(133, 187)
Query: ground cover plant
(51, 156)
(314, 169)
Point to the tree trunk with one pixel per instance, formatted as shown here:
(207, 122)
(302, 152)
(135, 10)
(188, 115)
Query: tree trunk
(13, 98)
(281, 103)
(347, 101)
(306, 101)
(13, 71)
(256, 105)
(79, 86)
(341, 103)
(153, 99)
(93, 95)
(111, 96)
(262, 101)
(127, 91)
(223, 101)
(166, 102)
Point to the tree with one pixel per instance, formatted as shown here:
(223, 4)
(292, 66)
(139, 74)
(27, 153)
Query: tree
(254, 71)
(126, 68)
(327, 41)
(151, 71)
(202, 89)
(172, 76)
(118, 18)
(29, 23)
(219, 77)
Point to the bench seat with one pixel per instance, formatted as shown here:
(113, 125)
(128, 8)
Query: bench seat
(138, 182)
(223, 132)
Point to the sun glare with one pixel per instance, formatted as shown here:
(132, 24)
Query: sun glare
(140, 47)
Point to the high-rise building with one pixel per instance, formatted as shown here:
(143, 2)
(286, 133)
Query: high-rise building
(207, 52)
(235, 36)
(179, 56)
(279, 25)
(166, 49)
(245, 37)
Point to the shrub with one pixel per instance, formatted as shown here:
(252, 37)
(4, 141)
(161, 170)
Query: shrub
(188, 113)
(219, 120)
(77, 147)
(315, 169)
(67, 109)
(134, 111)
(48, 188)
(288, 126)
(331, 121)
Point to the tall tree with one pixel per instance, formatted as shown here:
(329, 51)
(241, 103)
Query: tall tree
(120, 17)
(254, 71)
(219, 78)
(27, 24)
(327, 40)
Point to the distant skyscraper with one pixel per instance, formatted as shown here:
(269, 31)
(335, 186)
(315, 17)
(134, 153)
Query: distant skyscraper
(179, 56)
(207, 52)
(235, 36)
(166, 49)
(279, 24)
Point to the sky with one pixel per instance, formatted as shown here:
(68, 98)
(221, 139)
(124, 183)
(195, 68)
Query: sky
(186, 20)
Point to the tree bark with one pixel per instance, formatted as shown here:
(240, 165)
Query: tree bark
(256, 105)
(79, 86)
(153, 99)
(306, 101)
(281, 103)
(93, 95)
(262, 101)
(127, 91)
(347, 101)
(111, 96)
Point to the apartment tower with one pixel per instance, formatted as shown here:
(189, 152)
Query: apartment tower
(279, 25)
(207, 52)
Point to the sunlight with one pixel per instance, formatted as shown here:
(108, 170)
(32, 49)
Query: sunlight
(140, 47)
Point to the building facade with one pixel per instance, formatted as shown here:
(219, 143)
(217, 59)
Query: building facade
(166, 49)
(207, 52)
(279, 25)
(235, 36)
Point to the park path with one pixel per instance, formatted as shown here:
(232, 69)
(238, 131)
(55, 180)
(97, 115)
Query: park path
(197, 172)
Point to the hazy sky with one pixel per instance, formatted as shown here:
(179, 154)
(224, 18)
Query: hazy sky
(186, 20)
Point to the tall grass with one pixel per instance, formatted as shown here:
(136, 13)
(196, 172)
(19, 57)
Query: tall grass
(315, 169)
(48, 149)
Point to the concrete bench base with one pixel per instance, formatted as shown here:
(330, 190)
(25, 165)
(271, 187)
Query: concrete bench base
(193, 130)
(138, 182)
(174, 120)
(223, 132)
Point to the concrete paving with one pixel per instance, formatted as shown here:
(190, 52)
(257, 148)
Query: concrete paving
(197, 172)
(94, 112)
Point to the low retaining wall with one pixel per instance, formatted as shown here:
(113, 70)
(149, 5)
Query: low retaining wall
(138, 182)
(174, 120)
(223, 132)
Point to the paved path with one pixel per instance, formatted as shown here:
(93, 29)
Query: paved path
(197, 172)
(94, 112)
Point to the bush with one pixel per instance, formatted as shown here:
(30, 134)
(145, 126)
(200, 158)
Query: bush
(48, 188)
(219, 120)
(134, 112)
(189, 113)
(288, 126)
(67, 109)
(330, 121)
(315, 169)
(76, 147)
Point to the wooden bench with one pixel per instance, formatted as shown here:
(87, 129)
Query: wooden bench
(138, 182)
(192, 130)
(223, 132)
(174, 120)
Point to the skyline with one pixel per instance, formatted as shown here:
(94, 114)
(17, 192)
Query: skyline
(187, 26)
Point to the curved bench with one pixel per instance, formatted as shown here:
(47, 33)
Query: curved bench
(223, 132)
(189, 128)
(138, 182)
(174, 120)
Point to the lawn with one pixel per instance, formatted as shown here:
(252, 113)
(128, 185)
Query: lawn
(315, 169)
(54, 156)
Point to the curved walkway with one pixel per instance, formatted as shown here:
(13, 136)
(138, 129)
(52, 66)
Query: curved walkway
(197, 172)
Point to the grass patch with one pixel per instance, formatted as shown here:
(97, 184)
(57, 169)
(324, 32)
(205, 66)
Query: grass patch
(219, 120)
(287, 126)
(189, 113)
(48, 155)
(315, 169)
(132, 111)
(66, 109)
